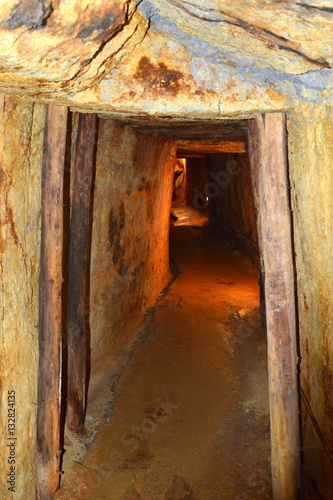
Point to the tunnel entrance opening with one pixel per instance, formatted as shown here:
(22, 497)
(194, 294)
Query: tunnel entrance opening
(225, 164)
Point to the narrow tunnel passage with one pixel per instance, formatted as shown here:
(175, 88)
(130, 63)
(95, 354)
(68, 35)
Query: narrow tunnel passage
(191, 418)
(182, 413)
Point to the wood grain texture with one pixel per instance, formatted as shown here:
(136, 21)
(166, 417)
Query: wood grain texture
(268, 155)
(50, 307)
(254, 149)
(78, 276)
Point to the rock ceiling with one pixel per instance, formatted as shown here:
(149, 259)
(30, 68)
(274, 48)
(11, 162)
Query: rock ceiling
(198, 58)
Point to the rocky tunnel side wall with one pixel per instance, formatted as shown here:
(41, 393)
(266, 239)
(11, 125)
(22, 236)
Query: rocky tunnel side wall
(130, 235)
(21, 150)
(310, 144)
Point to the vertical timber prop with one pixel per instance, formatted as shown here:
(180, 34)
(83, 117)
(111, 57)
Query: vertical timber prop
(78, 275)
(50, 307)
(268, 157)
(255, 173)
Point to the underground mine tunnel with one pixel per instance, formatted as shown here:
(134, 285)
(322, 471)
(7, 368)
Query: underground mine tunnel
(197, 379)
(106, 107)
(162, 310)
(118, 186)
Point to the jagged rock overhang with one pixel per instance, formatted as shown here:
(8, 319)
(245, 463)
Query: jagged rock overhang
(203, 60)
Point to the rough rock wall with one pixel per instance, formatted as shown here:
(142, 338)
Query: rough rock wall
(129, 263)
(47, 46)
(310, 132)
(231, 203)
(21, 148)
(198, 58)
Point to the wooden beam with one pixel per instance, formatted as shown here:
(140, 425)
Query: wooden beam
(254, 151)
(78, 275)
(210, 146)
(268, 156)
(50, 308)
(189, 155)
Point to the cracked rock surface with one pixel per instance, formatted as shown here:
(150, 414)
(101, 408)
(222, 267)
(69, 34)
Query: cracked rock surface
(199, 58)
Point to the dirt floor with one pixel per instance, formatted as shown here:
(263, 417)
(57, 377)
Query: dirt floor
(191, 415)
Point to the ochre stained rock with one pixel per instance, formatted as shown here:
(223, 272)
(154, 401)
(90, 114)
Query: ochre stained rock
(21, 147)
(51, 48)
(161, 78)
(286, 36)
(310, 157)
(129, 258)
(168, 58)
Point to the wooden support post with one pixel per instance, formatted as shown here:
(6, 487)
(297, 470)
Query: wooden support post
(254, 144)
(78, 275)
(268, 156)
(50, 286)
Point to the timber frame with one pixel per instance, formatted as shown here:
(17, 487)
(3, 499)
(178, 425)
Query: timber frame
(268, 158)
(50, 304)
(78, 273)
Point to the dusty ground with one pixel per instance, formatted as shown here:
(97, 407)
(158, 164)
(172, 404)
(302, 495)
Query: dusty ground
(191, 415)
